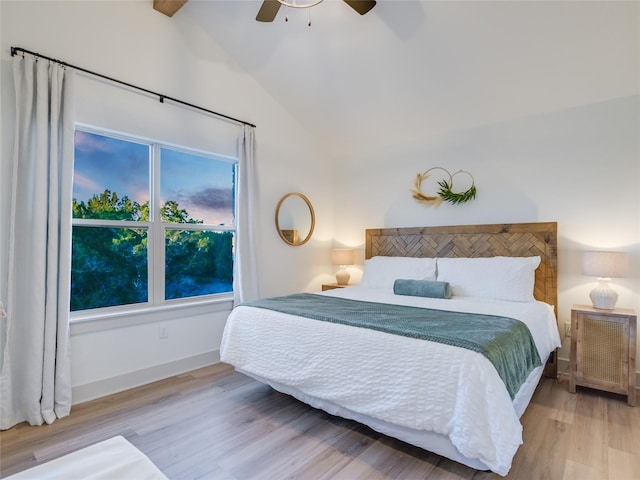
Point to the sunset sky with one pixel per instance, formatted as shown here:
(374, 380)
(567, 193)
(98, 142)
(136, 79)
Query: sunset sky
(199, 184)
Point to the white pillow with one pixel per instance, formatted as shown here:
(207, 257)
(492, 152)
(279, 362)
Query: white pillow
(382, 272)
(500, 278)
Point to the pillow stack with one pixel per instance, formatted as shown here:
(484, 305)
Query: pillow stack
(498, 278)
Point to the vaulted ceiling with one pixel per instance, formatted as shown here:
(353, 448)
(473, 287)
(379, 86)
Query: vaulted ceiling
(409, 69)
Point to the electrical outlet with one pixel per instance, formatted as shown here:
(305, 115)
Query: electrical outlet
(163, 332)
(567, 329)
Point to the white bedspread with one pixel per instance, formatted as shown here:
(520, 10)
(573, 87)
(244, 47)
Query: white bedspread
(404, 381)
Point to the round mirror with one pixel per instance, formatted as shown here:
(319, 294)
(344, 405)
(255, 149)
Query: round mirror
(295, 219)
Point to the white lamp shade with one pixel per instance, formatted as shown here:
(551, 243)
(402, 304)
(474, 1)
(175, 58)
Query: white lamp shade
(604, 264)
(342, 256)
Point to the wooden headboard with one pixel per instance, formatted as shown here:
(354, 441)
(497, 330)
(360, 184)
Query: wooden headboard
(508, 240)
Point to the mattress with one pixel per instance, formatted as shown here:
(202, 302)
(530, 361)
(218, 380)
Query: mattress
(442, 398)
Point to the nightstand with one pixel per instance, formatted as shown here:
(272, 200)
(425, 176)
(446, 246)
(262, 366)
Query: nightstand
(331, 286)
(603, 350)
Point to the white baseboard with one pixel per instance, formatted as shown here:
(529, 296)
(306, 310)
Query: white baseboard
(563, 366)
(108, 386)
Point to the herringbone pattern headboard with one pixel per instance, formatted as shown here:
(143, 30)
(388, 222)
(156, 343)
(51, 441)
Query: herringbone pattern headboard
(510, 240)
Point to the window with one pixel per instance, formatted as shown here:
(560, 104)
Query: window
(151, 223)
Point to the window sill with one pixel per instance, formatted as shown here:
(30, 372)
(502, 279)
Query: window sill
(127, 317)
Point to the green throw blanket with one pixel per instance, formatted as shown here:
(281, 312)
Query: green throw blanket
(505, 342)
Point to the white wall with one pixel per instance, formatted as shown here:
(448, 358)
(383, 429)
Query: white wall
(133, 42)
(579, 167)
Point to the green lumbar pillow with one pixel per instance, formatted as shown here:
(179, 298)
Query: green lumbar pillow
(422, 288)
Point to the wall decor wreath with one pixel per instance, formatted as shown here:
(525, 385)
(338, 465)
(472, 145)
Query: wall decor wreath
(445, 190)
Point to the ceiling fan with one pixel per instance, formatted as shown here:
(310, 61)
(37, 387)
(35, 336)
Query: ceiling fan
(269, 8)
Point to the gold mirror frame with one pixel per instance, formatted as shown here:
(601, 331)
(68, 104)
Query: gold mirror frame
(290, 237)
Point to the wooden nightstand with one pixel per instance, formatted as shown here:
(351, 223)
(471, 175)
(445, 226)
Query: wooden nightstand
(603, 350)
(331, 286)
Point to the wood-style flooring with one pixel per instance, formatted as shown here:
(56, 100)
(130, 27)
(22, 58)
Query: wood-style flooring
(214, 423)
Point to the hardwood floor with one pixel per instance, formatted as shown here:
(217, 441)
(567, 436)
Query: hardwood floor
(214, 423)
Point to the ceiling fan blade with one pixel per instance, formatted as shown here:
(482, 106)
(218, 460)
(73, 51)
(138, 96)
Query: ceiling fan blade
(268, 11)
(168, 7)
(361, 6)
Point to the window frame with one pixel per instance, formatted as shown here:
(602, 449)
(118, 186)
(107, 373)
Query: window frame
(156, 229)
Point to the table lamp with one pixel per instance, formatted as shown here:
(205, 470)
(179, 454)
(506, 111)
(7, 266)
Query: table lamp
(342, 257)
(604, 265)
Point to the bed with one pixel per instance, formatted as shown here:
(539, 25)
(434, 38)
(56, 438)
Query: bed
(419, 386)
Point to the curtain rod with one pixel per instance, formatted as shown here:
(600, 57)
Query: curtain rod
(161, 97)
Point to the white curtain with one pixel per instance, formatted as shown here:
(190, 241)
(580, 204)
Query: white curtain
(245, 275)
(35, 384)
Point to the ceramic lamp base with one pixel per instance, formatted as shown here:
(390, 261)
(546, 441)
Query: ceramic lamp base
(603, 296)
(342, 277)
